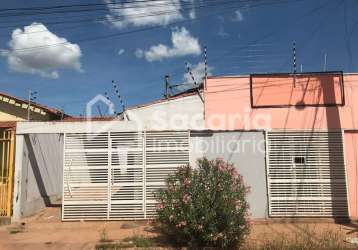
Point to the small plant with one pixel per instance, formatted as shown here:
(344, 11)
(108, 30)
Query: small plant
(141, 241)
(104, 235)
(17, 229)
(14, 231)
(204, 207)
(113, 246)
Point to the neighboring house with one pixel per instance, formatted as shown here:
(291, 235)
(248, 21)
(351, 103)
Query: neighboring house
(309, 124)
(13, 110)
(71, 156)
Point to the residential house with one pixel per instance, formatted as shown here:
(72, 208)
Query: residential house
(308, 123)
(13, 110)
(62, 161)
(292, 137)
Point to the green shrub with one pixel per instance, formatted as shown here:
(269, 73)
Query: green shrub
(205, 206)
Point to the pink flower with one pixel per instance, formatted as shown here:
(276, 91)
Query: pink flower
(186, 182)
(160, 205)
(238, 204)
(171, 217)
(186, 198)
(247, 218)
(222, 166)
(200, 227)
(241, 179)
(234, 173)
(181, 224)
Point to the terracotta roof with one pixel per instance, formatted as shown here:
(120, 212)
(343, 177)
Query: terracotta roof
(84, 119)
(52, 111)
(11, 125)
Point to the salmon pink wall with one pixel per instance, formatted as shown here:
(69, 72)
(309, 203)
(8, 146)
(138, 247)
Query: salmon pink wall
(351, 154)
(301, 90)
(228, 106)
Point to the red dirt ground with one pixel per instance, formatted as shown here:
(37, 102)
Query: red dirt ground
(46, 231)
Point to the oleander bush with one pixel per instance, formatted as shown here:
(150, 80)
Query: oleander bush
(205, 206)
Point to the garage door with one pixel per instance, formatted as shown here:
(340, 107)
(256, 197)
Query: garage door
(114, 175)
(306, 174)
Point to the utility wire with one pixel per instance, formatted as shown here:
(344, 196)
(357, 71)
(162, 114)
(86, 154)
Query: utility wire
(144, 15)
(273, 32)
(118, 18)
(267, 35)
(180, 5)
(106, 36)
(114, 3)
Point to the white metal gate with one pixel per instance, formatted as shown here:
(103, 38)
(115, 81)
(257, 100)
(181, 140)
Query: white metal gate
(113, 175)
(306, 174)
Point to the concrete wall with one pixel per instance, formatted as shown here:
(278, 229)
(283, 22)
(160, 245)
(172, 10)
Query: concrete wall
(246, 150)
(180, 113)
(38, 173)
(351, 157)
(47, 148)
(10, 110)
(228, 104)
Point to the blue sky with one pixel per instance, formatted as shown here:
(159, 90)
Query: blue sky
(241, 39)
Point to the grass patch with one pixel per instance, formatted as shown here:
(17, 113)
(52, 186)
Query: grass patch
(14, 231)
(113, 246)
(130, 242)
(307, 239)
(303, 238)
(139, 241)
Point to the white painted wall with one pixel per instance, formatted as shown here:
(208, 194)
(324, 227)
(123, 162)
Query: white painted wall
(38, 173)
(178, 114)
(181, 113)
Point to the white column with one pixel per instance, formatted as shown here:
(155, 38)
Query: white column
(19, 152)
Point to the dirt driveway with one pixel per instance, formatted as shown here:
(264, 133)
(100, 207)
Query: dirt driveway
(46, 231)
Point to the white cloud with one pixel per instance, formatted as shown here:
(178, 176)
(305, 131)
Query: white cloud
(53, 52)
(139, 53)
(142, 13)
(222, 33)
(191, 12)
(121, 51)
(183, 44)
(198, 72)
(238, 16)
